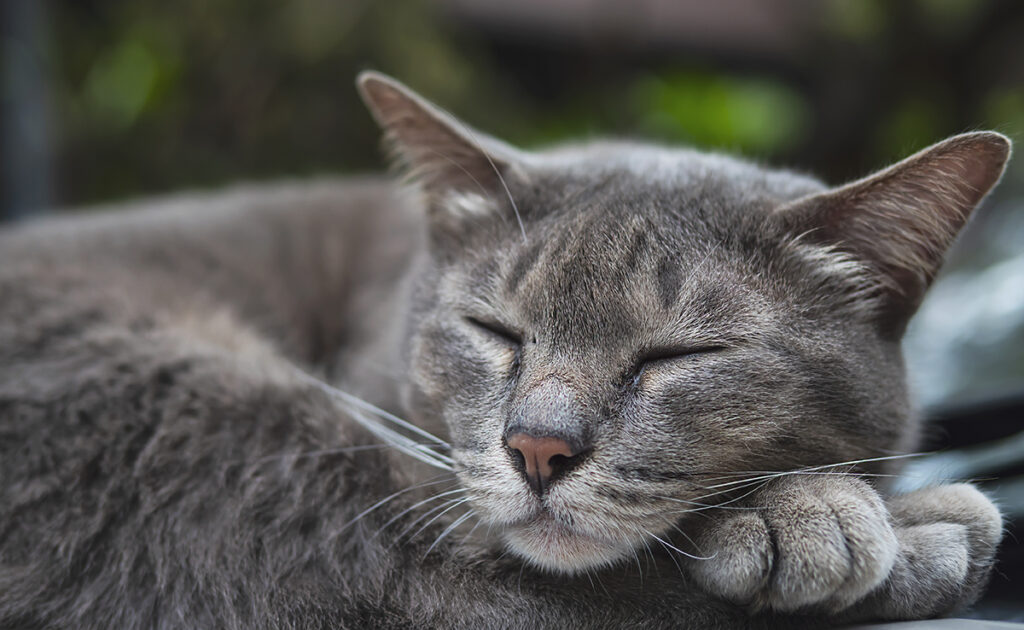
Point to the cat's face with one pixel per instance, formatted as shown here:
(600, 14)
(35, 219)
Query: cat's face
(644, 321)
(616, 335)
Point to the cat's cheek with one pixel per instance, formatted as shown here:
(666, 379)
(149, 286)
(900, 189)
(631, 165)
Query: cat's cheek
(501, 499)
(450, 366)
(662, 391)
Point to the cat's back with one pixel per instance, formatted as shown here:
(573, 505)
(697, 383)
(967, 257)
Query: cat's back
(291, 258)
(337, 206)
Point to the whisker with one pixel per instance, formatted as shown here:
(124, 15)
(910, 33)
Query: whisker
(389, 498)
(486, 193)
(452, 504)
(604, 588)
(747, 483)
(400, 442)
(639, 569)
(329, 451)
(469, 534)
(679, 567)
(356, 405)
(676, 527)
(838, 473)
(740, 484)
(365, 406)
(419, 519)
(448, 530)
(724, 505)
(678, 550)
(822, 467)
(497, 171)
(695, 273)
(650, 556)
(414, 506)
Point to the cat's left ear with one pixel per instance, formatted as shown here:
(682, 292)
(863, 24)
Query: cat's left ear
(901, 220)
(442, 153)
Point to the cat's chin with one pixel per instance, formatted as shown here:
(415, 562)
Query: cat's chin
(549, 545)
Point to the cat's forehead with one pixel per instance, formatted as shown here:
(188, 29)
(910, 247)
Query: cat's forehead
(622, 240)
(623, 169)
(613, 281)
(613, 213)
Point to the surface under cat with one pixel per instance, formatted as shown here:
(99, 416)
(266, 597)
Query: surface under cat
(602, 385)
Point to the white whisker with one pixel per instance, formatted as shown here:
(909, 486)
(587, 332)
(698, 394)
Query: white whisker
(814, 468)
(389, 498)
(678, 550)
(455, 503)
(837, 473)
(683, 534)
(354, 409)
(497, 171)
(639, 568)
(679, 567)
(469, 534)
(448, 530)
(758, 482)
(416, 505)
(330, 451)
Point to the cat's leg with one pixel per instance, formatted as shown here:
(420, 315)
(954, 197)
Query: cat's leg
(831, 544)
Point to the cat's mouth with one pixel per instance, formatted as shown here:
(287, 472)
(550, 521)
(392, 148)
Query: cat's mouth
(567, 530)
(548, 543)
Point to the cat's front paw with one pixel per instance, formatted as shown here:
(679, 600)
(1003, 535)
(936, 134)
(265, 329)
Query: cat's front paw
(948, 538)
(816, 541)
(826, 543)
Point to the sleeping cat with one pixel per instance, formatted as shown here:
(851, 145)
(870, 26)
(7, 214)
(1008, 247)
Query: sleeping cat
(606, 385)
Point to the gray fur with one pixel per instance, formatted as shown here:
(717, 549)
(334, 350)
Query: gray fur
(692, 317)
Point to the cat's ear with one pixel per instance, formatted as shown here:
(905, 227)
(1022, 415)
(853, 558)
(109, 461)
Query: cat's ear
(901, 220)
(442, 153)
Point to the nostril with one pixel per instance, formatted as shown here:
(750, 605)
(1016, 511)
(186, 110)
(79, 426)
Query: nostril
(560, 463)
(518, 460)
(541, 459)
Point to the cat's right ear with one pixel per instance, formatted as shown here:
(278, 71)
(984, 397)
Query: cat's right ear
(441, 153)
(901, 220)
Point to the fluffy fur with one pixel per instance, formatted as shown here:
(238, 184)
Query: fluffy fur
(718, 335)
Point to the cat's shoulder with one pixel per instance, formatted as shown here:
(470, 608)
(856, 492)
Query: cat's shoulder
(327, 203)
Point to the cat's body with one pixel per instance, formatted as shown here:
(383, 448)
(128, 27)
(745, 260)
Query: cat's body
(657, 317)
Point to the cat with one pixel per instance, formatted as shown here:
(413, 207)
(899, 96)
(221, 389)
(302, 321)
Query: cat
(598, 386)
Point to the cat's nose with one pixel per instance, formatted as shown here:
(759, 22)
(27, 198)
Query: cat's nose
(542, 459)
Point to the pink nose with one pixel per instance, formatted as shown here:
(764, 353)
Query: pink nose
(542, 458)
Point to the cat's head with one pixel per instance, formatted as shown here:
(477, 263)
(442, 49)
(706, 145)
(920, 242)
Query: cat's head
(616, 334)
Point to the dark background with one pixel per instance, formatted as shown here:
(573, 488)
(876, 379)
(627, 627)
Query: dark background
(109, 99)
(115, 98)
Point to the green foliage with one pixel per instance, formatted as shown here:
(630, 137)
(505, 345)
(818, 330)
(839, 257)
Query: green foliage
(747, 115)
(155, 96)
(911, 125)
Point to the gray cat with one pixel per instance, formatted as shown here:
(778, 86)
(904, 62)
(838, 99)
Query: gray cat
(647, 387)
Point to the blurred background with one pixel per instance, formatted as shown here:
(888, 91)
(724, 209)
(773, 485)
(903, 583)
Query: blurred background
(103, 100)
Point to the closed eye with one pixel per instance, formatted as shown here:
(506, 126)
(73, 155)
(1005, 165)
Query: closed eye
(667, 354)
(661, 355)
(500, 331)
